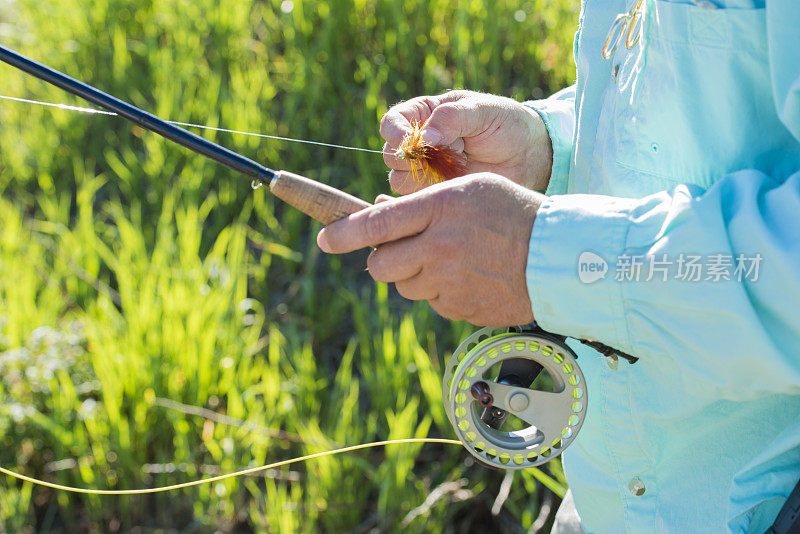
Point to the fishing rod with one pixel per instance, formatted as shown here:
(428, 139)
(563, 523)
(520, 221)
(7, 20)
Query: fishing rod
(320, 201)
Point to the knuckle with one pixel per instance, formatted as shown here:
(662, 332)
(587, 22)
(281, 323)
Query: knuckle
(376, 227)
(483, 183)
(448, 203)
(458, 94)
(445, 115)
(477, 314)
(471, 316)
(494, 178)
(445, 199)
(482, 178)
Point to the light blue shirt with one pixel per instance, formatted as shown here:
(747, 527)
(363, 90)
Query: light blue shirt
(685, 146)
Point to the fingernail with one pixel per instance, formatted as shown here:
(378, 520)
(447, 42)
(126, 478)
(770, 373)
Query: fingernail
(431, 136)
(322, 242)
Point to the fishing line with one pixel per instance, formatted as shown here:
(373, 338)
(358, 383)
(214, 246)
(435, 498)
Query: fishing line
(243, 472)
(229, 475)
(191, 125)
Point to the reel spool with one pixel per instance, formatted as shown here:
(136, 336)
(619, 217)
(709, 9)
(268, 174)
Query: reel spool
(500, 403)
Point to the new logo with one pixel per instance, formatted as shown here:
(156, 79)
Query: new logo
(591, 267)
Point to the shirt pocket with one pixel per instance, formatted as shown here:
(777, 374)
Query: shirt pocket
(694, 99)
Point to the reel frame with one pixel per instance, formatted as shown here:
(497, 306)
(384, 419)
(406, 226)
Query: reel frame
(474, 402)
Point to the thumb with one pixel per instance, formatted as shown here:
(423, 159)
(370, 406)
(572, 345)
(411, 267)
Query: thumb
(452, 120)
(380, 223)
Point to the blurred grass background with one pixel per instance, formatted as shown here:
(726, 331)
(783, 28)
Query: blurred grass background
(160, 321)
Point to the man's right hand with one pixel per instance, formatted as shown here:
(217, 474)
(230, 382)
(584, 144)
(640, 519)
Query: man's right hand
(497, 134)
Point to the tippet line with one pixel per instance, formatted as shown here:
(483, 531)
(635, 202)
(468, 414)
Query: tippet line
(189, 125)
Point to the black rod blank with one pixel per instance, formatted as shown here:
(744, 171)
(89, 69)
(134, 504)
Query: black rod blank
(142, 118)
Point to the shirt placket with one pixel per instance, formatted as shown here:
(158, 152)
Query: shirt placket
(634, 471)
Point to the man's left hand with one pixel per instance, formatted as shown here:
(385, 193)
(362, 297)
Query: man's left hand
(462, 245)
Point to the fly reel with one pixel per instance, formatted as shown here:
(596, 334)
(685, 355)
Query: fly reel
(506, 411)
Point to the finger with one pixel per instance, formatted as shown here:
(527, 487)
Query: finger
(380, 223)
(392, 161)
(416, 288)
(395, 261)
(397, 121)
(455, 119)
(382, 198)
(455, 310)
(446, 311)
(406, 182)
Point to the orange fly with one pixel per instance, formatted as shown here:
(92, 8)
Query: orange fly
(430, 164)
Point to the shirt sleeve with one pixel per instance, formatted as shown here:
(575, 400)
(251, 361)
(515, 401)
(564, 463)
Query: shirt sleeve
(737, 327)
(558, 114)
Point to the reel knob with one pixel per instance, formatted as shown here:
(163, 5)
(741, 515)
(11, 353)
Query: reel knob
(503, 414)
(480, 392)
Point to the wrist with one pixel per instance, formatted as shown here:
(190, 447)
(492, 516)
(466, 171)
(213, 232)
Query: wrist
(539, 157)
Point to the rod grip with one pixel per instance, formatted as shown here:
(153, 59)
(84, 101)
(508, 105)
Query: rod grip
(322, 202)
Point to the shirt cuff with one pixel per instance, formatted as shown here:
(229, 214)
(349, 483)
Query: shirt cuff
(574, 248)
(558, 115)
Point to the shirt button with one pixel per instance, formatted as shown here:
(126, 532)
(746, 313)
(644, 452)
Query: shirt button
(612, 360)
(636, 486)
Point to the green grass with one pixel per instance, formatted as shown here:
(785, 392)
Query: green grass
(134, 273)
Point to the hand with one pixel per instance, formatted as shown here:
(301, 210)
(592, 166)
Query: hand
(497, 134)
(462, 245)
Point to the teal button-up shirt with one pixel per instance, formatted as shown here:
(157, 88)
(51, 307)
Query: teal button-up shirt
(677, 167)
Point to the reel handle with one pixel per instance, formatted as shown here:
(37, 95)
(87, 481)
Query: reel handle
(320, 201)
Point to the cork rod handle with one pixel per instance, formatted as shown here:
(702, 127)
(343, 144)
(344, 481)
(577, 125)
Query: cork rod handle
(322, 202)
